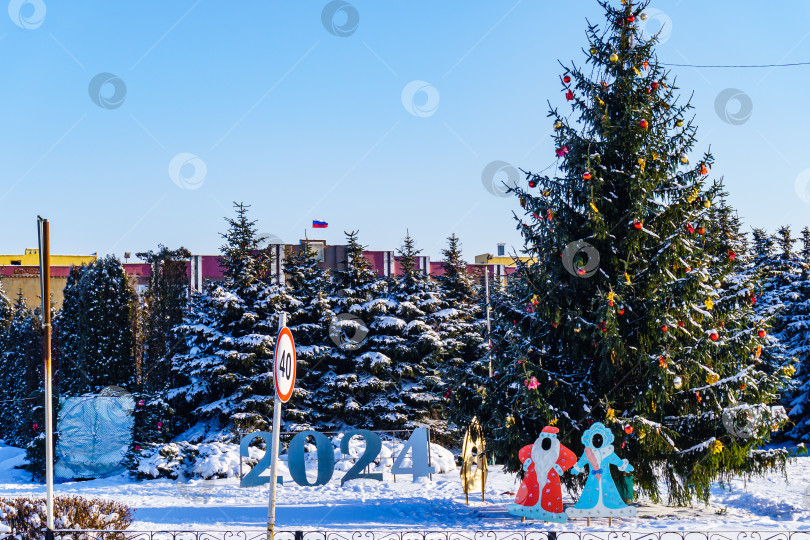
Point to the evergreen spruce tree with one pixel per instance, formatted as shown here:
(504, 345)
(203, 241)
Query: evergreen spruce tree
(621, 322)
(311, 285)
(23, 414)
(6, 309)
(456, 283)
(389, 379)
(797, 344)
(20, 360)
(6, 314)
(460, 323)
(222, 382)
(163, 307)
(359, 295)
(95, 329)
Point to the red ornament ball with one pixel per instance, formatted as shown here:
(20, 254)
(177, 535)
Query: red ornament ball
(761, 333)
(628, 429)
(715, 336)
(638, 224)
(621, 311)
(644, 124)
(680, 324)
(664, 328)
(566, 79)
(532, 183)
(654, 86)
(631, 18)
(586, 176)
(701, 230)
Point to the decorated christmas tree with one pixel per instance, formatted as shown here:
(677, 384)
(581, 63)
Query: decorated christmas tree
(618, 318)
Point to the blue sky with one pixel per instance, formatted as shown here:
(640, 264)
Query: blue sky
(304, 124)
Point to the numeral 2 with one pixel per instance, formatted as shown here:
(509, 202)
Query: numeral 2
(252, 478)
(373, 447)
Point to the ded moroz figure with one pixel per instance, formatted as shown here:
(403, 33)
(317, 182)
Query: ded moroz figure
(540, 493)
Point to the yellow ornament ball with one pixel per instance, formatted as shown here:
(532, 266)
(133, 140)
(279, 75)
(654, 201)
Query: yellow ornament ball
(558, 125)
(707, 204)
(593, 51)
(643, 16)
(679, 122)
(684, 159)
(614, 57)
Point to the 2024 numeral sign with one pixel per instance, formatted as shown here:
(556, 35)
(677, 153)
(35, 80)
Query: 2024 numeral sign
(417, 445)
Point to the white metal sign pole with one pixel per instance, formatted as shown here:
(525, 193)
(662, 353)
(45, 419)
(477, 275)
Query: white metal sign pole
(284, 362)
(271, 511)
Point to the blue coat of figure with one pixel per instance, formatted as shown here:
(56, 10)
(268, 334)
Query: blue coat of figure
(600, 498)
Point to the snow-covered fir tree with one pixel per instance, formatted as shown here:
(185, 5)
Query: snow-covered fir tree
(620, 322)
(460, 324)
(358, 293)
(6, 309)
(162, 308)
(797, 344)
(388, 378)
(222, 383)
(95, 328)
(20, 361)
(310, 322)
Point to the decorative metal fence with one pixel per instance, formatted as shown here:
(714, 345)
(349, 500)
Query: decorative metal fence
(528, 534)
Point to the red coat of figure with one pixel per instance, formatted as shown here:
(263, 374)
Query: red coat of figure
(544, 462)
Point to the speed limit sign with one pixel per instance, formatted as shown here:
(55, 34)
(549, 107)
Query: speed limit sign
(284, 365)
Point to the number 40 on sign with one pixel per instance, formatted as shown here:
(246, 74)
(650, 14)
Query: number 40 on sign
(416, 445)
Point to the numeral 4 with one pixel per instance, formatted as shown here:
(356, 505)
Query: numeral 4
(417, 445)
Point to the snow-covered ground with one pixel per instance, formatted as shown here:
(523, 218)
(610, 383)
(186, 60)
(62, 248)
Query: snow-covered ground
(758, 504)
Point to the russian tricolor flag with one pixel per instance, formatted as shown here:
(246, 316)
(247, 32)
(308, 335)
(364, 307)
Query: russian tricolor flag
(319, 224)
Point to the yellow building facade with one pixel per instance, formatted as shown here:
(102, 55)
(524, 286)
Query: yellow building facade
(20, 274)
(31, 258)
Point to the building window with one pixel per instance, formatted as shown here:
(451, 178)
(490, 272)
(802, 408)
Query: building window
(16, 263)
(318, 247)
